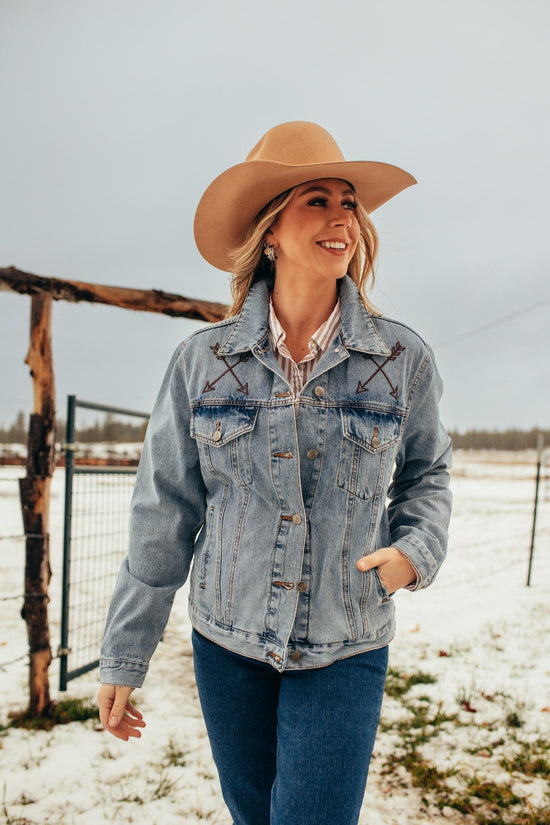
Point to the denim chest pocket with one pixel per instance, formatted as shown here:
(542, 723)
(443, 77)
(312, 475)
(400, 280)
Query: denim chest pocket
(223, 438)
(366, 455)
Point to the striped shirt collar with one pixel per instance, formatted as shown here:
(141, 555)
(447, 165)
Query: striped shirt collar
(318, 342)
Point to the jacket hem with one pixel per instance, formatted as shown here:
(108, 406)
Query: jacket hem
(280, 656)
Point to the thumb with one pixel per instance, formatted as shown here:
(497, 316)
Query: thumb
(372, 560)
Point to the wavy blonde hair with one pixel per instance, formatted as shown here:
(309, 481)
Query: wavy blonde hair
(249, 263)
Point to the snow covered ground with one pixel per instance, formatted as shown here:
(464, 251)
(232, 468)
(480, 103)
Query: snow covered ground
(480, 633)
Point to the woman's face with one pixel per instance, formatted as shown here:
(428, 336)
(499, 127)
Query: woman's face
(317, 232)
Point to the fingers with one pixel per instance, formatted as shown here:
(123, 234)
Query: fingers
(117, 714)
(393, 567)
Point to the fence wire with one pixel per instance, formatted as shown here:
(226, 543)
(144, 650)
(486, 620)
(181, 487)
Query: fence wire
(99, 541)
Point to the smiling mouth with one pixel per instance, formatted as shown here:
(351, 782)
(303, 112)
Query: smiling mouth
(340, 245)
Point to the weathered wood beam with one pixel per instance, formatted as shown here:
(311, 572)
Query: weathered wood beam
(143, 300)
(35, 503)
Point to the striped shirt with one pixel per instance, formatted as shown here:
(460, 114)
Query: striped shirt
(298, 374)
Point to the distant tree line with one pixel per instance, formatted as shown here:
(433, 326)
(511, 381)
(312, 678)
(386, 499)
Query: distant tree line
(111, 429)
(499, 439)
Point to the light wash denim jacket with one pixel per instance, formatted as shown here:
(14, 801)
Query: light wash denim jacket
(275, 497)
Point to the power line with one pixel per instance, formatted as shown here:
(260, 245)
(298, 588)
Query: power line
(495, 323)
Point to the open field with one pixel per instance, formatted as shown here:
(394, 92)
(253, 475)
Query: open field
(465, 733)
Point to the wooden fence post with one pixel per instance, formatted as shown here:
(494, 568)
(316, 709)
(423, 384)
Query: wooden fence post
(35, 503)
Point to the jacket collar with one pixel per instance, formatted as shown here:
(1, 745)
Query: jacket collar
(357, 329)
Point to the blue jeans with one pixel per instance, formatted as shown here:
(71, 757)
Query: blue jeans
(291, 748)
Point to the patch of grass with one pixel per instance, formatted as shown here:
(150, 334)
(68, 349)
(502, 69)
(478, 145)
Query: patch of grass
(488, 801)
(163, 787)
(534, 816)
(421, 722)
(514, 720)
(174, 756)
(481, 799)
(531, 759)
(422, 772)
(397, 683)
(60, 713)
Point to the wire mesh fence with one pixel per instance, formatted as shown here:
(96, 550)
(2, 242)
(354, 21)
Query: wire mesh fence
(97, 505)
(98, 542)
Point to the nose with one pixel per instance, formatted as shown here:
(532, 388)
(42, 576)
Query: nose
(341, 217)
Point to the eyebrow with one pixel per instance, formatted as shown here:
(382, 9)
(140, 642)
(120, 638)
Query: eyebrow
(325, 190)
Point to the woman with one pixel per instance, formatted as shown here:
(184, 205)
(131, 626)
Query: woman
(295, 454)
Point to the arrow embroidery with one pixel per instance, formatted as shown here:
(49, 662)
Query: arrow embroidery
(396, 351)
(244, 356)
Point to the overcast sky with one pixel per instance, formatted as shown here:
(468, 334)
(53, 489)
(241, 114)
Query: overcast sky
(116, 114)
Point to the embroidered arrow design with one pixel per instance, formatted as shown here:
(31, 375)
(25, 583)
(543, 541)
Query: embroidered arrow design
(244, 356)
(396, 351)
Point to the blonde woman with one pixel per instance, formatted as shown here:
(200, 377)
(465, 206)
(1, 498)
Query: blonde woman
(295, 461)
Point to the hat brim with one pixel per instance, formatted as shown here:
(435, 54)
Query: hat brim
(235, 197)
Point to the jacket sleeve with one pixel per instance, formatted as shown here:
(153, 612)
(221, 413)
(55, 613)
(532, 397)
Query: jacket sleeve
(167, 512)
(420, 498)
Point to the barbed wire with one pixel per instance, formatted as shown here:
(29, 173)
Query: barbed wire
(4, 665)
(30, 595)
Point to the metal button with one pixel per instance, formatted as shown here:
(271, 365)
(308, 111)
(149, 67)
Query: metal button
(375, 441)
(301, 586)
(297, 518)
(312, 453)
(217, 435)
(319, 392)
(295, 655)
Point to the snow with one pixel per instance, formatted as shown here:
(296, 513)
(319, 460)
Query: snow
(478, 630)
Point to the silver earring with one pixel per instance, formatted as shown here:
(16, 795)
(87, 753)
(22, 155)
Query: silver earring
(269, 252)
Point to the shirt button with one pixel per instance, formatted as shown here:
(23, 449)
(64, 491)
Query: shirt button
(301, 586)
(297, 518)
(295, 655)
(319, 392)
(312, 454)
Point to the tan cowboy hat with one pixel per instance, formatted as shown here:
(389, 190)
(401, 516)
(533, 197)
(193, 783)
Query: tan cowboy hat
(287, 155)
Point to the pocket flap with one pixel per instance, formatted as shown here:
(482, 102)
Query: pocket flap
(371, 429)
(217, 424)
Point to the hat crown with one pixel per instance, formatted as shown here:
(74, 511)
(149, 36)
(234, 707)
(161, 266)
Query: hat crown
(297, 143)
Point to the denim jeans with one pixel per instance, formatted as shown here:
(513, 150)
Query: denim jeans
(291, 748)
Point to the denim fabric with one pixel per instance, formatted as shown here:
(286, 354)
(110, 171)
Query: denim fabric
(291, 748)
(274, 497)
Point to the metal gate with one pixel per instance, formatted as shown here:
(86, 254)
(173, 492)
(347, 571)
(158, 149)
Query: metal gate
(97, 504)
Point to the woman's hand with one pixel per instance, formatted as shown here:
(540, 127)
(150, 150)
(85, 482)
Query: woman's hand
(116, 712)
(394, 568)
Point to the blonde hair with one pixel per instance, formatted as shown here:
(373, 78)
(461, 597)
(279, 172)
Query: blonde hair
(249, 263)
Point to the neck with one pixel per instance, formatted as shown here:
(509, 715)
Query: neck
(301, 309)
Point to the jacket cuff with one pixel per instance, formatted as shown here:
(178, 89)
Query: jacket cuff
(121, 672)
(420, 559)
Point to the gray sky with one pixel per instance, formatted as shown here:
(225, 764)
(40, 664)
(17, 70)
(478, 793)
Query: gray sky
(116, 114)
